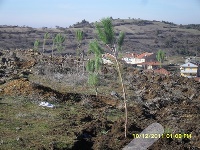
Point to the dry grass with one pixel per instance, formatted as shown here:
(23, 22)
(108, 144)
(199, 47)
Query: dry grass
(25, 125)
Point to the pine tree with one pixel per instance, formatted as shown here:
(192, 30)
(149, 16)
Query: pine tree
(58, 42)
(106, 34)
(46, 36)
(160, 56)
(93, 65)
(36, 45)
(79, 38)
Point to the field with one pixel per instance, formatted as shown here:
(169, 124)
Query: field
(80, 120)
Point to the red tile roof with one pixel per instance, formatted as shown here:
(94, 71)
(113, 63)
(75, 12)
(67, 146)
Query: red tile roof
(108, 56)
(162, 71)
(146, 54)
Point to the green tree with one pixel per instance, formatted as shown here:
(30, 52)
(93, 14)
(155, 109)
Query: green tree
(106, 34)
(36, 45)
(79, 38)
(93, 65)
(58, 42)
(160, 56)
(46, 36)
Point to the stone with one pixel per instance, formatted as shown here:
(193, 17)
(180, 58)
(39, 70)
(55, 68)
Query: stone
(2, 81)
(18, 128)
(115, 94)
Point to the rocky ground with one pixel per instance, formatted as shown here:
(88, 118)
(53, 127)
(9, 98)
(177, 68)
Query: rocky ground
(80, 120)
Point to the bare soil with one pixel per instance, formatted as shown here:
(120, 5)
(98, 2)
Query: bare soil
(80, 120)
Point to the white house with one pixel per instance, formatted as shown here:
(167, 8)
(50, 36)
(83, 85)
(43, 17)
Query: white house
(189, 70)
(130, 58)
(133, 58)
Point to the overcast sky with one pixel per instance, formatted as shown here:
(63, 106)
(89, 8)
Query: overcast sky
(51, 13)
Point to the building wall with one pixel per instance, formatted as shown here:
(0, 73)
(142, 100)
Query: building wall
(133, 60)
(190, 69)
(189, 72)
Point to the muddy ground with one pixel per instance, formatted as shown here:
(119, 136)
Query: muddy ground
(82, 121)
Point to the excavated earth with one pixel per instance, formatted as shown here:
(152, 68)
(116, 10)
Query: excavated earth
(172, 101)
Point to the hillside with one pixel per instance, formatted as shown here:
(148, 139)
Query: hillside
(82, 121)
(141, 35)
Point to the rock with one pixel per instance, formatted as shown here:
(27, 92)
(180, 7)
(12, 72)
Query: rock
(2, 81)
(2, 73)
(18, 128)
(4, 60)
(115, 94)
(19, 139)
(191, 96)
(1, 142)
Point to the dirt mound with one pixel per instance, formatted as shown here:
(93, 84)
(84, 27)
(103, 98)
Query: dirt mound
(27, 64)
(18, 87)
(23, 87)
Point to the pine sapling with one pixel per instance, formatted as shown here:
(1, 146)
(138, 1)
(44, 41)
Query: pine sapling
(58, 42)
(106, 34)
(36, 45)
(94, 65)
(160, 56)
(46, 36)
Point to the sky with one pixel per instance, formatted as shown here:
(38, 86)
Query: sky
(51, 13)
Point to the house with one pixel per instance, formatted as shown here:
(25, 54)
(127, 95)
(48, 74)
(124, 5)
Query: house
(129, 58)
(149, 65)
(189, 70)
(108, 59)
(147, 57)
(136, 59)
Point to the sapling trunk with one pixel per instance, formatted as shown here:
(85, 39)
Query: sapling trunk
(83, 67)
(52, 50)
(160, 64)
(124, 97)
(96, 91)
(106, 34)
(43, 45)
(123, 89)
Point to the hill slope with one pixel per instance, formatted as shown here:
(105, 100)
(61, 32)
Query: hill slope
(141, 35)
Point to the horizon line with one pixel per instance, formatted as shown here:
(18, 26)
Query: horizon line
(97, 21)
